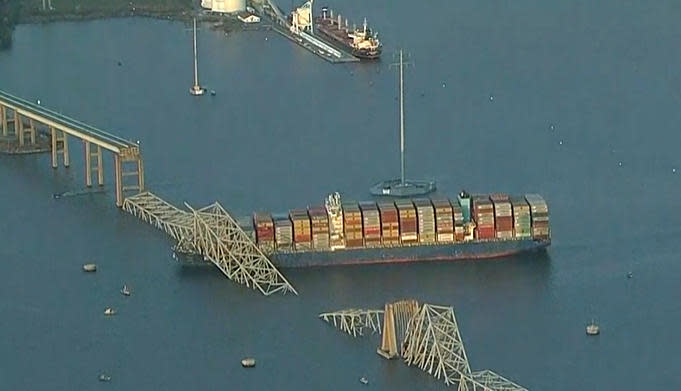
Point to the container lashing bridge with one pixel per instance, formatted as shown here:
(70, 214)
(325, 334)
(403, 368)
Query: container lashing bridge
(427, 336)
(210, 232)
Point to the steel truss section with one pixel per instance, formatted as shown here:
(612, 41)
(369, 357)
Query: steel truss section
(355, 321)
(214, 234)
(433, 343)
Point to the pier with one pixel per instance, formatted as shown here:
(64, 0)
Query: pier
(311, 43)
(209, 232)
(427, 336)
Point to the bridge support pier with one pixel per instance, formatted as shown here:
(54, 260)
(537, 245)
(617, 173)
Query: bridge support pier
(128, 164)
(3, 117)
(89, 154)
(19, 127)
(59, 146)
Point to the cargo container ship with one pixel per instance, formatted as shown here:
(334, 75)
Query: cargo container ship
(425, 229)
(363, 43)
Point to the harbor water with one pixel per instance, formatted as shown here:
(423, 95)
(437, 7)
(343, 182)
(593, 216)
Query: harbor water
(577, 101)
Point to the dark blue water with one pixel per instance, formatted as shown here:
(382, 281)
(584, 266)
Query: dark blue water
(286, 128)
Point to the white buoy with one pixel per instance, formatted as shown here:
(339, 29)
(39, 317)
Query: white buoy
(552, 127)
(619, 164)
(38, 101)
(443, 85)
(673, 169)
(560, 142)
(491, 97)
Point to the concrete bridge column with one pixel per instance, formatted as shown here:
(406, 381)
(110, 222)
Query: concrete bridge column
(53, 137)
(88, 164)
(118, 180)
(16, 123)
(19, 127)
(3, 117)
(65, 147)
(100, 168)
(31, 131)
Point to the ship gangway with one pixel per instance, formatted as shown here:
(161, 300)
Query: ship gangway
(211, 232)
(424, 335)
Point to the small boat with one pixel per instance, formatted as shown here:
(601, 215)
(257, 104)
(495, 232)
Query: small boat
(363, 380)
(109, 311)
(104, 377)
(248, 362)
(90, 267)
(125, 291)
(212, 92)
(630, 274)
(592, 329)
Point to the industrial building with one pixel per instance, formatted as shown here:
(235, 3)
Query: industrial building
(224, 6)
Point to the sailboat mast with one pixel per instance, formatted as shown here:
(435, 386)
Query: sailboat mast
(196, 63)
(401, 119)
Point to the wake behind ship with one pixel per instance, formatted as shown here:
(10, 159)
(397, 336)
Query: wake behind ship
(468, 227)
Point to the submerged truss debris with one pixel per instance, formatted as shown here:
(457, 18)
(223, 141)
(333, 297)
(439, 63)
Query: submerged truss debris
(355, 321)
(430, 341)
(212, 233)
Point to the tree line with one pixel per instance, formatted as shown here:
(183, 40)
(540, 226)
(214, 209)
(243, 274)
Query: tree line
(9, 12)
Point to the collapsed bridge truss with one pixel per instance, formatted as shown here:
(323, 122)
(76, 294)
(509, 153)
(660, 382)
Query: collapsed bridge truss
(213, 233)
(431, 342)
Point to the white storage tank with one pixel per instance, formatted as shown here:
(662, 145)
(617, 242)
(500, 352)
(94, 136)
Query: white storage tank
(229, 5)
(208, 4)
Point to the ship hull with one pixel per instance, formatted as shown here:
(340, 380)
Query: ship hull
(375, 255)
(338, 37)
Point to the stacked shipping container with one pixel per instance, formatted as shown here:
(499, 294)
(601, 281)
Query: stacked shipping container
(302, 235)
(352, 222)
(521, 218)
(539, 212)
(390, 224)
(371, 224)
(426, 220)
(483, 215)
(283, 233)
(444, 222)
(320, 227)
(407, 222)
(459, 221)
(503, 215)
(264, 231)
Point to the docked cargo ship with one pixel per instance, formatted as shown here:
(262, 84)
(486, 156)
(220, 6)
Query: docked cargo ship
(362, 43)
(425, 229)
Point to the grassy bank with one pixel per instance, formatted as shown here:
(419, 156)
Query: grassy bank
(32, 10)
(13, 12)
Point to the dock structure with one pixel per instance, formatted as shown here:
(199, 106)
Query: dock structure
(23, 123)
(211, 232)
(428, 337)
(302, 35)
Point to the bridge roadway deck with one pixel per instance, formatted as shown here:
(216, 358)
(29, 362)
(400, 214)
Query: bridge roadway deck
(66, 124)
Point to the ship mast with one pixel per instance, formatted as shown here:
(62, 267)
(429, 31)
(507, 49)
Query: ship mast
(401, 119)
(196, 61)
